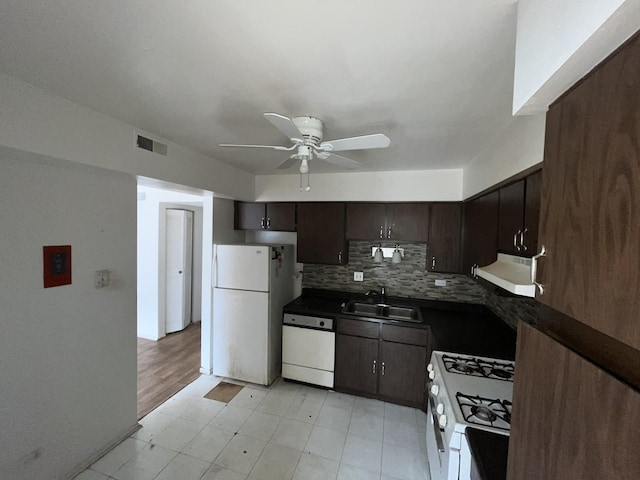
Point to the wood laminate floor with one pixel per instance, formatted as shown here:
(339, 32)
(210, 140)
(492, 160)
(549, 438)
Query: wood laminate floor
(167, 366)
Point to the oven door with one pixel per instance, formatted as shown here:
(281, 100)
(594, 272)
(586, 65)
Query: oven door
(437, 450)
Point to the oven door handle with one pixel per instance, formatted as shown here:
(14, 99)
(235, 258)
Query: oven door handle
(436, 425)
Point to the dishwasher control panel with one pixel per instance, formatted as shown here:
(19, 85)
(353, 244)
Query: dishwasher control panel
(306, 321)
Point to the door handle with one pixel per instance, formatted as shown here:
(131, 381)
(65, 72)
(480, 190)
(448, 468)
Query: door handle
(524, 247)
(534, 269)
(515, 240)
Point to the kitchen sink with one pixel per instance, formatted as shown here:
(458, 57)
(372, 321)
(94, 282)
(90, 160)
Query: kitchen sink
(382, 310)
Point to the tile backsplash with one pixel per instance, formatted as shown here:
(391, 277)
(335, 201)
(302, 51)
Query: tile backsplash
(406, 279)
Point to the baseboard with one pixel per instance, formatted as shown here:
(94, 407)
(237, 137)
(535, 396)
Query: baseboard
(82, 466)
(206, 371)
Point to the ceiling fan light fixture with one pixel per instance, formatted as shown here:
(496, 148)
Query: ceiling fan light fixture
(304, 166)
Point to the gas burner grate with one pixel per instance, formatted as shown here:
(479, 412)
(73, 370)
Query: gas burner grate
(490, 412)
(478, 367)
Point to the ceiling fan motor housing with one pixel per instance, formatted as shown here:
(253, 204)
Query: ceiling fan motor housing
(310, 127)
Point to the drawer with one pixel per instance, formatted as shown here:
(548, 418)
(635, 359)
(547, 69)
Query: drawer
(408, 335)
(358, 328)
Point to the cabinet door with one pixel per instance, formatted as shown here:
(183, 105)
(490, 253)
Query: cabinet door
(480, 231)
(407, 222)
(590, 212)
(249, 215)
(445, 228)
(570, 419)
(366, 221)
(511, 213)
(402, 372)
(532, 192)
(356, 364)
(321, 233)
(281, 217)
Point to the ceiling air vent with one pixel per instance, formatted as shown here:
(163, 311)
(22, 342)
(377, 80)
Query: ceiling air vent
(151, 145)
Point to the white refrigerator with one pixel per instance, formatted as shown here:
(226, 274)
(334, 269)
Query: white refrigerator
(251, 284)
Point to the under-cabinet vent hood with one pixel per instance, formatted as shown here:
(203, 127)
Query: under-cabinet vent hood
(510, 273)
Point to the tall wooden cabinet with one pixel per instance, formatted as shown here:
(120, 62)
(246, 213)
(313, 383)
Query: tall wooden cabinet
(444, 245)
(579, 422)
(518, 216)
(480, 231)
(321, 233)
(590, 213)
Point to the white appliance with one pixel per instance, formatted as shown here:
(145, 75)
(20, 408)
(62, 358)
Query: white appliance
(252, 282)
(464, 391)
(308, 349)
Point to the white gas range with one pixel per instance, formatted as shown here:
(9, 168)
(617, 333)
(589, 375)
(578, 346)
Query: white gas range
(464, 391)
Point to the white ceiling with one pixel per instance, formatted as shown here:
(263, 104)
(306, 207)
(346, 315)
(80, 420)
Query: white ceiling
(435, 76)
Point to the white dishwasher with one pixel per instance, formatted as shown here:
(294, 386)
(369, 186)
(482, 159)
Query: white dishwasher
(308, 349)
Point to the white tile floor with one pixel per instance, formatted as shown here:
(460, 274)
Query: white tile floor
(287, 431)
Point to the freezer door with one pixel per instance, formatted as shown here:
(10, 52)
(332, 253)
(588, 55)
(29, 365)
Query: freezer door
(240, 335)
(242, 267)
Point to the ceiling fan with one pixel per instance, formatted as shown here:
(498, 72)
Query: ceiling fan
(305, 134)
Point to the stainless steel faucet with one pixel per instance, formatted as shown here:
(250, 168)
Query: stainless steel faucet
(382, 297)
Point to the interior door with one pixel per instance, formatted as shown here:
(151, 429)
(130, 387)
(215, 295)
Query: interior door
(178, 267)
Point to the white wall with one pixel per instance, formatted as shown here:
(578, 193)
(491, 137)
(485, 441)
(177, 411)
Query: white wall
(558, 42)
(519, 147)
(67, 354)
(152, 204)
(34, 121)
(424, 185)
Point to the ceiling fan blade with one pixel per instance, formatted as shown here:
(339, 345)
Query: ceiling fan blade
(285, 125)
(287, 163)
(339, 160)
(377, 140)
(273, 147)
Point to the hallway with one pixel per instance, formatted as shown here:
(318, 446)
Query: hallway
(167, 366)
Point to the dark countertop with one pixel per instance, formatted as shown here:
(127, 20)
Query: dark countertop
(489, 453)
(455, 327)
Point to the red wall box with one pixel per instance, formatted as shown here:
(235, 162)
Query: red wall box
(56, 265)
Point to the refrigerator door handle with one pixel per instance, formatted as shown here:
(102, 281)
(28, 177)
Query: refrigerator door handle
(214, 271)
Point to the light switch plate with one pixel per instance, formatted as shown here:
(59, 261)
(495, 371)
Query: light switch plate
(441, 283)
(358, 276)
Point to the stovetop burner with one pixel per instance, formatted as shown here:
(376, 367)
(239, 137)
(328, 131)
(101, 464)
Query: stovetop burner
(479, 367)
(490, 412)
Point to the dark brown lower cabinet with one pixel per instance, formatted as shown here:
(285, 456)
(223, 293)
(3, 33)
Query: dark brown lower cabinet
(571, 419)
(402, 372)
(357, 358)
(381, 361)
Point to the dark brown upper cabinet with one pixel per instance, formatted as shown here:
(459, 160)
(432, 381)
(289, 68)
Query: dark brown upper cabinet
(518, 216)
(321, 233)
(445, 233)
(480, 231)
(276, 216)
(590, 212)
(391, 221)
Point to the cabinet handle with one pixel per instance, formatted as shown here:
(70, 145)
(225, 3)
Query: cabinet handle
(433, 263)
(381, 231)
(374, 366)
(339, 257)
(268, 222)
(534, 269)
(262, 223)
(515, 240)
(383, 369)
(524, 247)
(389, 232)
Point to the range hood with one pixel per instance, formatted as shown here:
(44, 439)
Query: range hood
(510, 273)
